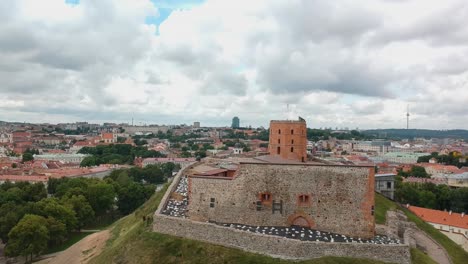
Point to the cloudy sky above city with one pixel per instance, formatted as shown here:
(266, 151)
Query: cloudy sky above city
(335, 63)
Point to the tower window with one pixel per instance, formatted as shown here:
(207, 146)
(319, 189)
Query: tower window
(278, 150)
(279, 131)
(303, 199)
(279, 141)
(292, 141)
(292, 149)
(212, 202)
(292, 131)
(265, 198)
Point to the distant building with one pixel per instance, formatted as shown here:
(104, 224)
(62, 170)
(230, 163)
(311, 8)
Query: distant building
(73, 158)
(385, 184)
(235, 122)
(404, 158)
(288, 139)
(109, 137)
(196, 124)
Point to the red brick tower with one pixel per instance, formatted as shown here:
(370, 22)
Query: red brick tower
(288, 139)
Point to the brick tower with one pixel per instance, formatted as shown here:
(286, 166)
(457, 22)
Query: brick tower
(288, 139)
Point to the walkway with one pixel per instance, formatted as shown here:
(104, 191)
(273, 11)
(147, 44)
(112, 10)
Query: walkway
(432, 249)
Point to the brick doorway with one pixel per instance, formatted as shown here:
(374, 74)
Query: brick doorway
(301, 221)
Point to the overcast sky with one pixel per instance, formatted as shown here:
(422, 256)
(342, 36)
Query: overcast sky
(336, 63)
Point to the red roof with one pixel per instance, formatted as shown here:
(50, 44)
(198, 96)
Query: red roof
(18, 178)
(107, 136)
(440, 217)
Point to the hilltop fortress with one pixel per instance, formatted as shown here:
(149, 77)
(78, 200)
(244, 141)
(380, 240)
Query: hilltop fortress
(279, 205)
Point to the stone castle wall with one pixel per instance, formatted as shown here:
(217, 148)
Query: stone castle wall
(341, 197)
(277, 246)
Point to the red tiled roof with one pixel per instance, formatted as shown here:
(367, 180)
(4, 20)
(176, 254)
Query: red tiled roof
(18, 178)
(107, 136)
(440, 217)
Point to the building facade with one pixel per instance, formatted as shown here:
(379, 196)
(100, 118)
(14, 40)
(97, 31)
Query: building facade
(337, 199)
(235, 122)
(288, 139)
(385, 184)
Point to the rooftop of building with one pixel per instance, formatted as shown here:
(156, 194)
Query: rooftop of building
(441, 217)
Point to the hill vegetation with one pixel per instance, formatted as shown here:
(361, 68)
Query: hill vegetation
(417, 133)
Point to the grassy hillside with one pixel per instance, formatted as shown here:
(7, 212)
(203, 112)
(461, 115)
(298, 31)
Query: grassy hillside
(133, 242)
(457, 254)
(382, 205)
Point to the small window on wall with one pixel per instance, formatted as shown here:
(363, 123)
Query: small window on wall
(279, 131)
(292, 149)
(372, 210)
(292, 131)
(212, 202)
(292, 141)
(265, 197)
(303, 199)
(279, 141)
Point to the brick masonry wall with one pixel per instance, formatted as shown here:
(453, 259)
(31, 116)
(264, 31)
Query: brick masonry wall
(341, 197)
(285, 140)
(277, 246)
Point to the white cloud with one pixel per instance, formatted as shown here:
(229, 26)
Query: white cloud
(345, 63)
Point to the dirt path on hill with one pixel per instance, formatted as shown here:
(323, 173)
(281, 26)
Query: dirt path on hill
(433, 250)
(81, 252)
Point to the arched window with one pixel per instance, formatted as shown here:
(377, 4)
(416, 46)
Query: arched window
(292, 131)
(279, 131)
(292, 149)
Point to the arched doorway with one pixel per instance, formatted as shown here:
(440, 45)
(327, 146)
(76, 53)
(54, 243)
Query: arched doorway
(301, 221)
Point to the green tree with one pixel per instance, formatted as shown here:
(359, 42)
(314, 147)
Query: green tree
(83, 210)
(28, 238)
(51, 207)
(101, 197)
(130, 197)
(57, 231)
(27, 157)
(88, 162)
(419, 172)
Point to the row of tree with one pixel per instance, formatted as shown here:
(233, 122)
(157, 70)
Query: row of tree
(33, 217)
(429, 195)
(115, 154)
(416, 171)
(453, 158)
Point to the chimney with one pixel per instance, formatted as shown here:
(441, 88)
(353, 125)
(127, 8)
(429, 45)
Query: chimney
(450, 212)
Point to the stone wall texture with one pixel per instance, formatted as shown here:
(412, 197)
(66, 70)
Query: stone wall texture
(341, 198)
(277, 246)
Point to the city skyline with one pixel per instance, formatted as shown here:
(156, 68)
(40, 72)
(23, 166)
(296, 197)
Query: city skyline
(174, 62)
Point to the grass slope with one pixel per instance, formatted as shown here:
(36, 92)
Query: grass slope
(382, 205)
(417, 256)
(457, 254)
(133, 242)
(74, 238)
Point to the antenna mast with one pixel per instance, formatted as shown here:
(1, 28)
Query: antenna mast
(407, 117)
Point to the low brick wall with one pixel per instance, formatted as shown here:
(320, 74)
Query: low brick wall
(277, 246)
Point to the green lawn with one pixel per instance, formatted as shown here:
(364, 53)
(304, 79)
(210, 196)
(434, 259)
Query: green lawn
(133, 242)
(419, 257)
(382, 205)
(457, 254)
(74, 237)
